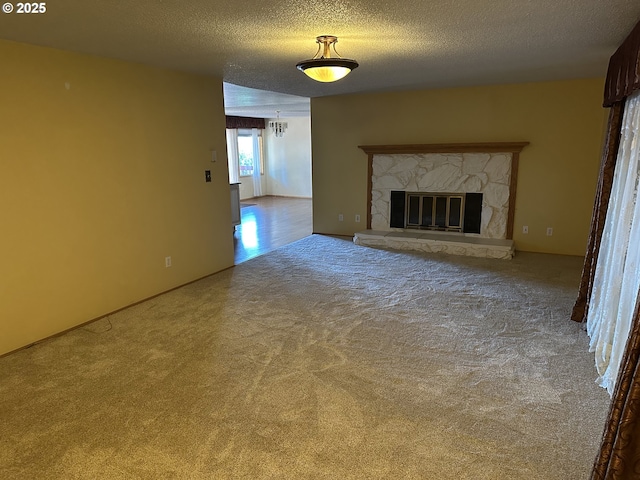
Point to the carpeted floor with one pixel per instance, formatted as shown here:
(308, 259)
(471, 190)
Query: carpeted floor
(321, 360)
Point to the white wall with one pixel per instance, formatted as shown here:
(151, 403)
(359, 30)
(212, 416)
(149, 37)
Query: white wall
(288, 159)
(246, 188)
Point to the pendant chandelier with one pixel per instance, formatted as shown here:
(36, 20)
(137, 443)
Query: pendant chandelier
(277, 127)
(326, 66)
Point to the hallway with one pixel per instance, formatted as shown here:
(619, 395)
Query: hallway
(270, 222)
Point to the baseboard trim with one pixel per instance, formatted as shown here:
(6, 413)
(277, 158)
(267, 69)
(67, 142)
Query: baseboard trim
(275, 196)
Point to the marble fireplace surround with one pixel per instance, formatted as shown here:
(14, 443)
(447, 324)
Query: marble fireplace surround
(488, 168)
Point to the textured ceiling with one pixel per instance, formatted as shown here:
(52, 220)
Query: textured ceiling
(249, 102)
(399, 44)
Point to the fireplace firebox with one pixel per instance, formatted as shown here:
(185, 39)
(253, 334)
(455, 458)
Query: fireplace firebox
(449, 212)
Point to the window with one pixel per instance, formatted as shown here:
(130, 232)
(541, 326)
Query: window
(245, 154)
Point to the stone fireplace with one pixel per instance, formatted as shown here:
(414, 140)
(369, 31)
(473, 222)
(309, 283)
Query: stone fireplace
(427, 196)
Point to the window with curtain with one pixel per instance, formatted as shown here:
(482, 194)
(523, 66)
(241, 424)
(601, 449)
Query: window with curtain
(617, 277)
(246, 153)
(245, 127)
(244, 147)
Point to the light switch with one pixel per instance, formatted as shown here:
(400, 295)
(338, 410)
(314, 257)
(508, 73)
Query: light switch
(207, 175)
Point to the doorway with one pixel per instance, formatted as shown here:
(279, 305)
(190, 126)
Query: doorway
(274, 183)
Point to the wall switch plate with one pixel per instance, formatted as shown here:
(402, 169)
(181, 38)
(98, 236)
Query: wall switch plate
(214, 156)
(549, 231)
(207, 175)
(525, 229)
(340, 217)
(357, 218)
(167, 262)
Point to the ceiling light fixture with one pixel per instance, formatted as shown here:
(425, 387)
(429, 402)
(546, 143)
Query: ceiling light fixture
(277, 127)
(326, 66)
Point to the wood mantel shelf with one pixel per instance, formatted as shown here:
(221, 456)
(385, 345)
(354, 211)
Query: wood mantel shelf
(489, 147)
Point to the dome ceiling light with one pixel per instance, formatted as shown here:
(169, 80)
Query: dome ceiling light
(327, 66)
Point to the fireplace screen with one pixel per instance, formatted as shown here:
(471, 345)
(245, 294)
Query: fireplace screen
(451, 212)
(435, 212)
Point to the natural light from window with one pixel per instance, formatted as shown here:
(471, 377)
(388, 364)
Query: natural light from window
(249, 231)
(245, 154)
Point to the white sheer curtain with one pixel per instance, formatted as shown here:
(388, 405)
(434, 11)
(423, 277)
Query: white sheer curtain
(257, 161)
(617, 276)
(232, 155)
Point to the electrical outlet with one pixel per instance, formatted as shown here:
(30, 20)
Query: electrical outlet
(357, 218)
(167, 262)
(549, 231)
(525, 229)
(340, 217)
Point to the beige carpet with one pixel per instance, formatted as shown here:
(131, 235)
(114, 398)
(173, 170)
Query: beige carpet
(321, 360)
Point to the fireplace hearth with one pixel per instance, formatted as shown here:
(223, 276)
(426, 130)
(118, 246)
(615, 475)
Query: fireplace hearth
(460, 196)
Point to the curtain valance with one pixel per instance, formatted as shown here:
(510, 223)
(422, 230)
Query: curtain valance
(623, 76)
(245, 122)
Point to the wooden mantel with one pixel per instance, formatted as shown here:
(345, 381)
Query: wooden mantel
(496, 147)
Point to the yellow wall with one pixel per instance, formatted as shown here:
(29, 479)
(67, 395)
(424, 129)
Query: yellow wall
(564, 121)
(102, 176)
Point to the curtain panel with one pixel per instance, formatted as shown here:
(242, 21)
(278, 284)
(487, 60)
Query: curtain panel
(619, 455)
(257, 163)
(603, 192)
(233, 157)
(617, 276)
(245, 122)
(623, 76)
